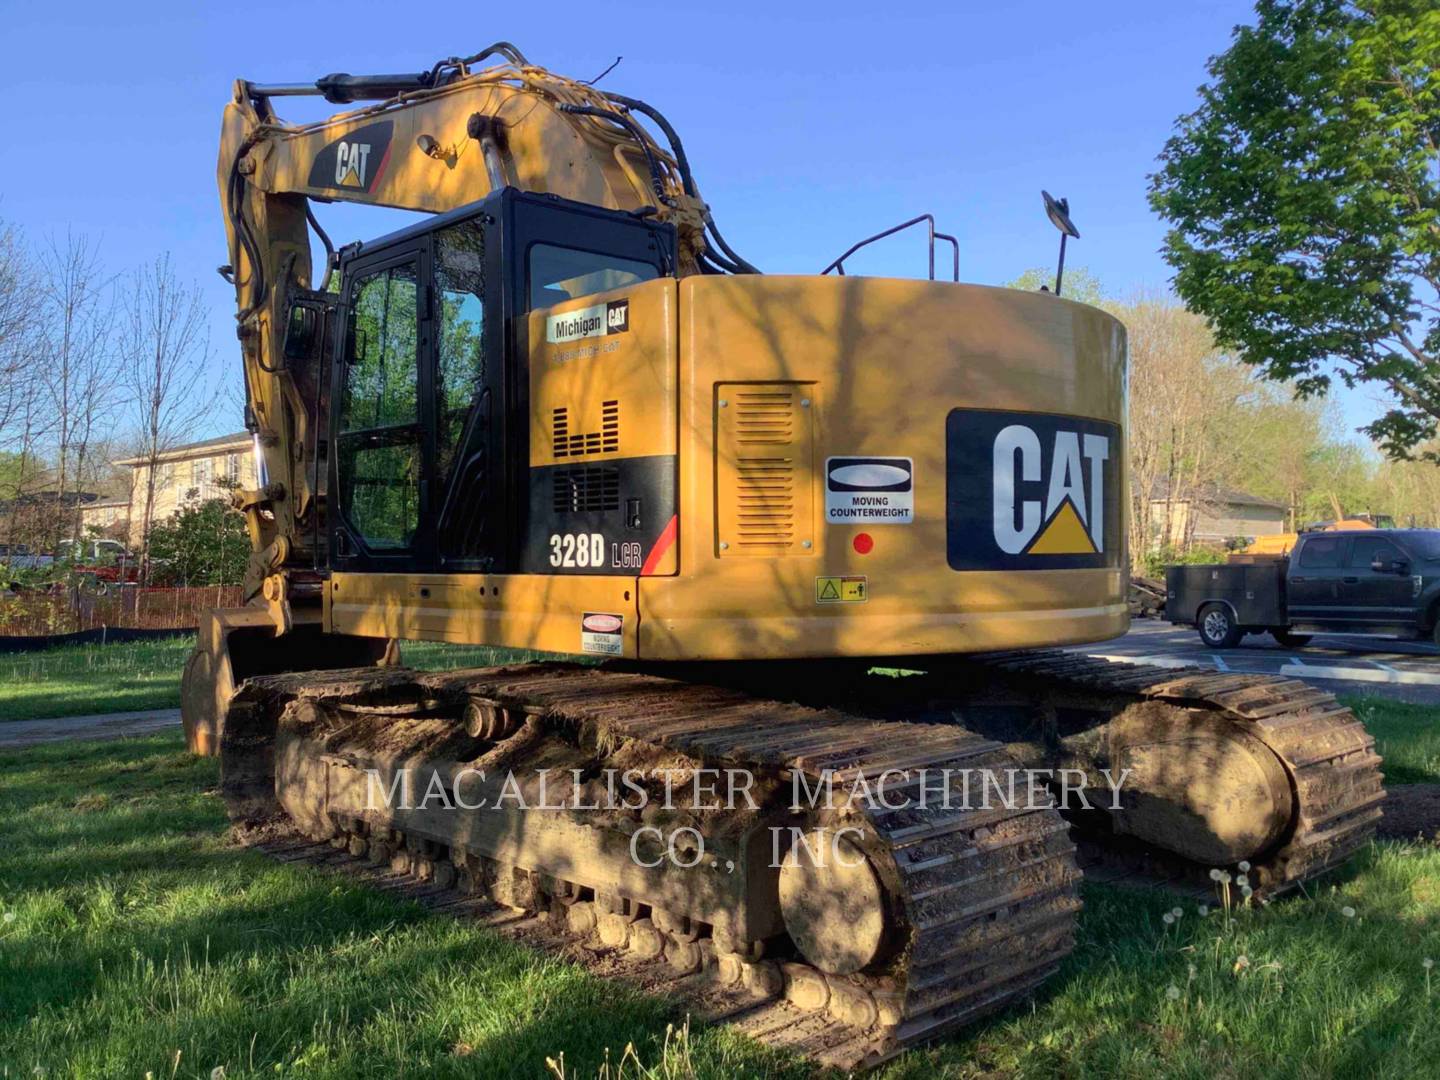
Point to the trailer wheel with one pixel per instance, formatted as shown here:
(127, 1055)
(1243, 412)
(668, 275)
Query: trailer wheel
(1217, 627)
(1289, 640)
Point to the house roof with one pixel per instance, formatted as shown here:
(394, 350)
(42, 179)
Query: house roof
(103, 504)
(1222, 495)
(240, 440)
(51, 498)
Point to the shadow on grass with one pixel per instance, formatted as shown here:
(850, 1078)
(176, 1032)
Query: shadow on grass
(138, 933)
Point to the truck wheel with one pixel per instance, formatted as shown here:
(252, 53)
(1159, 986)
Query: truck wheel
(1289, 640)
(1217, 627)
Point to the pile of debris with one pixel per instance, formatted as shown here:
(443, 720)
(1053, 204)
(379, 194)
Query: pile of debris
(1147, 598)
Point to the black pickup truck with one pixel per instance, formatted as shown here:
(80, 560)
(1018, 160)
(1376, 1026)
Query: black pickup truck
(1380, 581)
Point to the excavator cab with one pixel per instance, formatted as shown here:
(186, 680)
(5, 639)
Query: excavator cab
(427, 459)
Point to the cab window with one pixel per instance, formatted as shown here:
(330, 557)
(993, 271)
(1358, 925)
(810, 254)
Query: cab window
(1321, 552)
(460, 375)
(378, 441)
(558, 274)
(1366, 549)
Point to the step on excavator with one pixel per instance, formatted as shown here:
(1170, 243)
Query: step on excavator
(795, 533)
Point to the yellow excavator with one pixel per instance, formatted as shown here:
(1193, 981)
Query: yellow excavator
(1279, 544)
(797, 532)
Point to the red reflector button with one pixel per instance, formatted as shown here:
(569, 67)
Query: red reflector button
(863, 543)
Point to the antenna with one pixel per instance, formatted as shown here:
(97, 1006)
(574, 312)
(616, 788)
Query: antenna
(1058, 211)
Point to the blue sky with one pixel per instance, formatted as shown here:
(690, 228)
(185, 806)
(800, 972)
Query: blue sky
(808, 125)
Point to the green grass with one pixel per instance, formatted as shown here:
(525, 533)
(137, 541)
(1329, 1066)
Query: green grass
(1406, 736)
(78, 680)
(139, 933)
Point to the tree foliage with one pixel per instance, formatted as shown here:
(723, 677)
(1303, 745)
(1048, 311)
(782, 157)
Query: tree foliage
(1304, 199)
(201, 544)
(1079, 283)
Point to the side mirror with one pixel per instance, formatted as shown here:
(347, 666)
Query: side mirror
(302, 332)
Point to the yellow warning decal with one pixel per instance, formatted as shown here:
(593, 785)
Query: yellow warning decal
(841, 590)
(1065, 535)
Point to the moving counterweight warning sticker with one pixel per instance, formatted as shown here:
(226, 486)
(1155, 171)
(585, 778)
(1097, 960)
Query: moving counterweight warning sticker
(841, 590)
(602, 634)
(1029, 491)
(869, 491)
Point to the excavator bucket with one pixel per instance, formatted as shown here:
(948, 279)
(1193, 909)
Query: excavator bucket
(237, 643)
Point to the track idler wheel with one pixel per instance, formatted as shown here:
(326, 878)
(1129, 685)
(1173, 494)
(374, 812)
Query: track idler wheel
(833, 902)
(1197, 784)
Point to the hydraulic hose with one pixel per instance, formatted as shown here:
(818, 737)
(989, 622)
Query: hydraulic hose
(657, 178)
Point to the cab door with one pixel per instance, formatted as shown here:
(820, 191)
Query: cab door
(380, 457)
(1312, 587)
(1385, 596)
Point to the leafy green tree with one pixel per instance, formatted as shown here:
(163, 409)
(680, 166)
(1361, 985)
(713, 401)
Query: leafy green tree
(202, 544)
(1079, 284)
(1304, 199)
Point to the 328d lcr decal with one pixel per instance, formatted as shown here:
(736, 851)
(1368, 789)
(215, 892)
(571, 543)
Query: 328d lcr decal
(1031, 491)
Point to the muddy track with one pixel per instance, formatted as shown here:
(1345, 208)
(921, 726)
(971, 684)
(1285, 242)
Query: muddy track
(969, 910)
(1330, 758)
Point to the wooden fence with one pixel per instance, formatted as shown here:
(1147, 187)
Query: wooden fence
(131, 607)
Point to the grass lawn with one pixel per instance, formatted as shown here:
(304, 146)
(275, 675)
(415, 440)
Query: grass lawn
(75, 680)
(130, 933)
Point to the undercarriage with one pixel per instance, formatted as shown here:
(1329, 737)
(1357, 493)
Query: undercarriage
(884, 860)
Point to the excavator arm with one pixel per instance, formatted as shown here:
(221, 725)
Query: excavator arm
(429, 141)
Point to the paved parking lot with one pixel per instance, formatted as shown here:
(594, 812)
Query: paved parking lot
(1405, 670)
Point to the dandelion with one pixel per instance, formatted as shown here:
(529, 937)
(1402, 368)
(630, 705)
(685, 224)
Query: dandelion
(1173, 992)
(1242, 880)
(1202, 910)
(1348, 911)
(9, 917)
(1215, 875)
(1244, 867)
(1246, 891)
(1241, 963)
(1169, 919)
(1177, 912)
(217, 1073)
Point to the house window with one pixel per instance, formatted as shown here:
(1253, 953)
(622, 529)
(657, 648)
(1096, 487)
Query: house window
(200, 472)
(165, 475)
(232, 468)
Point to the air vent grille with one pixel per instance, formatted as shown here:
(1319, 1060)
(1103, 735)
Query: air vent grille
(586, 490)
(765, 496)
(567, 443)
(765, 447)
(764, 417)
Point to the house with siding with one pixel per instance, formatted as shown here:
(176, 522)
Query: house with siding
(1213, 516)
(189, 474)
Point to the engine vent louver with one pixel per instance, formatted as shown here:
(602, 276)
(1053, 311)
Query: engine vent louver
(589, 489)
(764, 469)
(565, 443)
